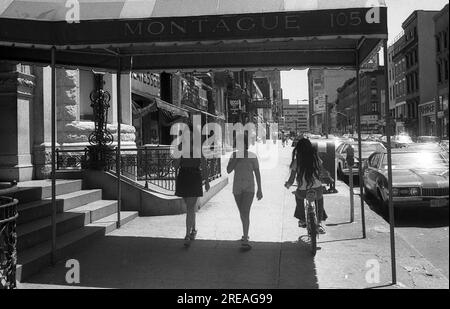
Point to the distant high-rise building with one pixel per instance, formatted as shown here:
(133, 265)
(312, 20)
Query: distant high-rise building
(296, 117)
(323, 84)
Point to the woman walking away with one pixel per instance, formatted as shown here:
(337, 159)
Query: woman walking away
(305, 168)
(191, 172)
(245, 166)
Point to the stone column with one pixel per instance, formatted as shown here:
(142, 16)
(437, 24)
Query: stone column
(42, 135)
(16, 98)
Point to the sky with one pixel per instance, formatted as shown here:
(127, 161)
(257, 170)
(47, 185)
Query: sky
(295, 82)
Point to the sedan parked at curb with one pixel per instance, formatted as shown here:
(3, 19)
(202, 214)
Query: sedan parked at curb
(367, 148)
(419, 178)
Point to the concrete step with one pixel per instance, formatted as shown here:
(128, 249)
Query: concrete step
(38, 231)
(35, 190)
(43, 208)
(97, 210)
(32, 260)
(125, 217)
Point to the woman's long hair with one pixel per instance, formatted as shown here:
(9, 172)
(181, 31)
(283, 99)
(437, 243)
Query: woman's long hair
(308, 163)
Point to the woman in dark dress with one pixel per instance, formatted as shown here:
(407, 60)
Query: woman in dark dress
(189, 182)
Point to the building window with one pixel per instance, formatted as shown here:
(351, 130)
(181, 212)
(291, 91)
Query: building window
(438, 44)
(408, 86)
(446, 69)
(416, 77)
(439, 72)
(445, 39)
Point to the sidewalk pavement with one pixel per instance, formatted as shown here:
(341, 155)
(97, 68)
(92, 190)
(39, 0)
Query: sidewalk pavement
(148, 252)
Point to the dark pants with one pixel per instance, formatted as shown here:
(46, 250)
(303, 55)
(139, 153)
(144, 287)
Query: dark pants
(300, 208)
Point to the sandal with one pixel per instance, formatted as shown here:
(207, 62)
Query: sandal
(245, 244)
(302, 223)
(187, 241)
(321, 229)
(193, 234)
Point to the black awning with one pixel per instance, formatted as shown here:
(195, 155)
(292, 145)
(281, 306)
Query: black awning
(194, 35)
(151, 105)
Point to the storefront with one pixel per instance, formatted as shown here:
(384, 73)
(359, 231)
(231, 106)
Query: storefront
(427, 119)
(152, 117)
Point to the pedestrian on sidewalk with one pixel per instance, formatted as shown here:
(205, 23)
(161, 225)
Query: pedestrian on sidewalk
(192, 170)
(305, 168)
(246, 168)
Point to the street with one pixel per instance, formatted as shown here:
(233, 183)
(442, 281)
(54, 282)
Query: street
(148, 252)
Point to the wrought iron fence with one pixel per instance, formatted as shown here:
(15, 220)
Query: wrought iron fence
(71, 159)
(154, 165)
(8, 242)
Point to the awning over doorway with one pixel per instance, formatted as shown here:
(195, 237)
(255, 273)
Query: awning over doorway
(156, 104)
(171, 35)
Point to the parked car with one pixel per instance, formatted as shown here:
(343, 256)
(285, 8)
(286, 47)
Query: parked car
(438, 147)
(428, 139)
(424, 147)
(398, 141)
(367, 148)
(418, 178)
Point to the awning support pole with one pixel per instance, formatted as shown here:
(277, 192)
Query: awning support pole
(118, 149)
(389, 158)
(53, 147)
(360, 165)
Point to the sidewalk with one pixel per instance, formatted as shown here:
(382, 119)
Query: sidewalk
(149, 252)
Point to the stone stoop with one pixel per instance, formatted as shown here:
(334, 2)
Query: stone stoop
(82, 215)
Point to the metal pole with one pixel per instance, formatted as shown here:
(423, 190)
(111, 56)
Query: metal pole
(436, 115)
(352, 198)
(53, 147)
(326, 116)
(358, 123)
(118, 157)
(389, 157)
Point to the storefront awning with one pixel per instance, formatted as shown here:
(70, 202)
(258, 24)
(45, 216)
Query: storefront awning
(171, 35)
(158, 104)
(199, 111)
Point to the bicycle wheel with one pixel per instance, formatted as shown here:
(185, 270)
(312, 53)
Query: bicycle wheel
(312, 231)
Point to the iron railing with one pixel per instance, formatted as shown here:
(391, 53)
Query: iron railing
(8, 242)
(152, 165)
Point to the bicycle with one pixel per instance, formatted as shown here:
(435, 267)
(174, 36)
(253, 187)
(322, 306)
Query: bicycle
(311, 215)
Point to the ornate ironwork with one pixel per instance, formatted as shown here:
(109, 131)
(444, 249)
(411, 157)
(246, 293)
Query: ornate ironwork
(100, 104)
(152, 165)
(71, 159)
(100, 139)
(8, 242)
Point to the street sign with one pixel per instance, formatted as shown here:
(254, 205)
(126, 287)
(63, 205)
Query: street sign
(262, 104)
(319, 103)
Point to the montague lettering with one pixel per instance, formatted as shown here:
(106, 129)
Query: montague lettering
(213, 25)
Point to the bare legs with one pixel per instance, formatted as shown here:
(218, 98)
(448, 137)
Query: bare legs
(191, 207)
(244, 202)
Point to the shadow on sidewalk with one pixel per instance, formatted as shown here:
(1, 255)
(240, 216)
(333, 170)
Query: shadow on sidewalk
(145, 262)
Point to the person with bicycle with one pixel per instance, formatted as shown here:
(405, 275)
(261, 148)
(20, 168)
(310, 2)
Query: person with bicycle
(305, 168)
